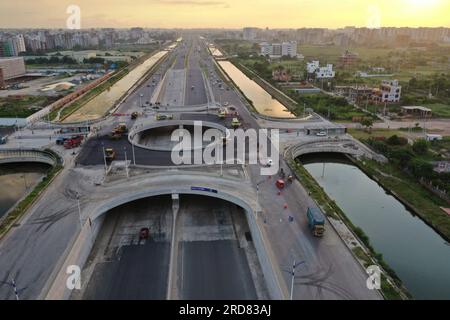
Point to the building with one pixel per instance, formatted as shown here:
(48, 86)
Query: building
(325, 72)
(417, 111)
(278, 50)
(389, 92)
(348, 58)
(281, 74)
(11, 68)
(250, 33)
(311, 67)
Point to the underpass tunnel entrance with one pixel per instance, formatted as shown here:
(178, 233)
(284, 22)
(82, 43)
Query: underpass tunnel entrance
(214, 254)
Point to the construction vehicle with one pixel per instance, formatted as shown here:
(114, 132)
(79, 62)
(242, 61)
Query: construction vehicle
(73, 142)
(134, 115)
(120, 129)
(316, 221)
(235, 123)
(223, 113)
(110, 154)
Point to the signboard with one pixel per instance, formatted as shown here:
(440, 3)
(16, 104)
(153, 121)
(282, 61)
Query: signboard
(204, 189)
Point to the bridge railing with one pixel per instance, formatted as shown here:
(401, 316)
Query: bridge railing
(31, 155)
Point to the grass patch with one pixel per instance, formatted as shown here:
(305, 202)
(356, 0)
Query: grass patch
(23, 106)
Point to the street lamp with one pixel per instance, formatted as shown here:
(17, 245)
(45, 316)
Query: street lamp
(79, 210)
(104, 159)
(140, 100)
(294, 265)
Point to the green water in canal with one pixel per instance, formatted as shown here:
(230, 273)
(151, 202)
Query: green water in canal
(419, 256)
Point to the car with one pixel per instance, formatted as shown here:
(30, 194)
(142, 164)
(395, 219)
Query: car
(269, 163)
(232, 108)
(321, 134)
(225, 104)
(144, 233)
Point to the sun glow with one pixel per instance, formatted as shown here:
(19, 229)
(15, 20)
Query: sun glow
(420, 4)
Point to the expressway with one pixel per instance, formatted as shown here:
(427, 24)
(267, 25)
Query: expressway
(212, 242)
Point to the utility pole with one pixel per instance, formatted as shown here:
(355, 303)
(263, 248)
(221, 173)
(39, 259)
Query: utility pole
(140, 100)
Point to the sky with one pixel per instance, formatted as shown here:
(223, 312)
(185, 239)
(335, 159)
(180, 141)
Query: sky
(227, 13)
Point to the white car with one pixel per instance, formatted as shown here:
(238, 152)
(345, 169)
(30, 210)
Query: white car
(321, 134)
(225, 104)
(269, 163)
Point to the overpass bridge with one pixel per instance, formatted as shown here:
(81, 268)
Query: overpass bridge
(344, 145)
(12, 155)
(57, 233)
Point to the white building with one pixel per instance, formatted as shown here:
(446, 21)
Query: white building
(312, 66)
(321, 72)
(278, 50)
(390, 91)
(325, 72)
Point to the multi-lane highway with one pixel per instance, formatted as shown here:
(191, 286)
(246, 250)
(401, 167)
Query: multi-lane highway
(215, 256)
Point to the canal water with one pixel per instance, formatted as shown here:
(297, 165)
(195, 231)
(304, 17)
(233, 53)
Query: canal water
(16, 180)
(97, 107)
(262, 100)
(419, 256)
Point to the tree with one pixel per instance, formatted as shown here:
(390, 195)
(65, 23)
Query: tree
(421, 168)
(367, 122)
(420, 146)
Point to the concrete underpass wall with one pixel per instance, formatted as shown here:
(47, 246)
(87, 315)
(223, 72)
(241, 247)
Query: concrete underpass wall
(77, 255)
(84, 242)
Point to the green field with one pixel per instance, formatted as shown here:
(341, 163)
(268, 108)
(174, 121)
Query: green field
(22, 106)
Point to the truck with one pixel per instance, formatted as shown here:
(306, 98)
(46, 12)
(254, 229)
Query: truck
(235, 123)
(110, 154)
(73, 142)
(316, 221)
(3, 140)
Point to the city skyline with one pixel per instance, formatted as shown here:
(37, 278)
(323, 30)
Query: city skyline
(227, 13)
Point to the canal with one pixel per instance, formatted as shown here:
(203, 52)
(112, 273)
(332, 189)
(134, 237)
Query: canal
(16, 180)
(419, 256)
(261, 99)
(98, 106)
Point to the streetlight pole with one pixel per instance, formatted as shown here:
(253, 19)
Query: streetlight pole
(134, 155)
(126, 162)
(140, 100)
(79, 210)
(104, 159)
(257, 200)
(294, 265)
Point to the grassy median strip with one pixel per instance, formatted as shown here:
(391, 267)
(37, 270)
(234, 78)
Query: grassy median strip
(21, 208)
(331, 209)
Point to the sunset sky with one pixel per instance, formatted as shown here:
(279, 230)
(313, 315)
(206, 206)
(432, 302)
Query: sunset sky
(227, 13)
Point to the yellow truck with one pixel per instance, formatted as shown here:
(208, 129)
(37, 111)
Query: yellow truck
(235, 123)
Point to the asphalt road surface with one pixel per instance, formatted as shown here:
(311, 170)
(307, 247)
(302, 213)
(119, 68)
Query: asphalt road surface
(215, 270)
(140, 274)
